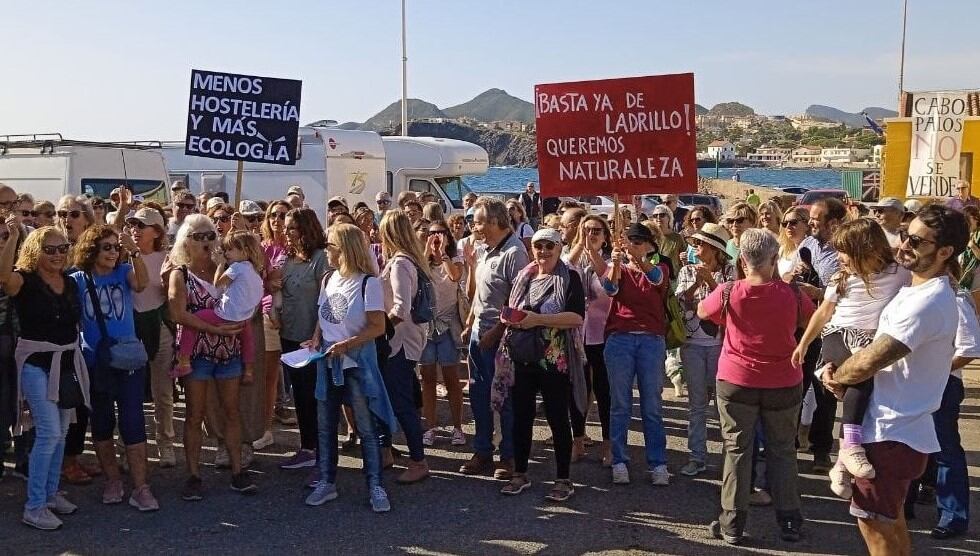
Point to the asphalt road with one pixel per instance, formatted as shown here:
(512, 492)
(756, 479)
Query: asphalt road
(453, 514)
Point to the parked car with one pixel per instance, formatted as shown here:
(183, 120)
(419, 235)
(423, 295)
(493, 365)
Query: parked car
(710, 201)
(814, 195)
(793, 190)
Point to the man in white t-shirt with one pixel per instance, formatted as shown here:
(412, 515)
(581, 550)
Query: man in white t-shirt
(910, 361)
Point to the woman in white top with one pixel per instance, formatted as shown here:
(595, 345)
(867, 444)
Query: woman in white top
(400, 279)
(518, 219)
(770, 216)
(792, 234)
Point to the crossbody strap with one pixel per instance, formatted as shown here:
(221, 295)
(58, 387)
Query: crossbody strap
(96, 306)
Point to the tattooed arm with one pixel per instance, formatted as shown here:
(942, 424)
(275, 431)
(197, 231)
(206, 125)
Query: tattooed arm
(863, 365)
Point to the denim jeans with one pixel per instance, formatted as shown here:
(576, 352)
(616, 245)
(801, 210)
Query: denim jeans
(50, 426)
(400, 381)
(482, 367)
(637, 357)
(700, 368)
(952, 479)
(328, 416)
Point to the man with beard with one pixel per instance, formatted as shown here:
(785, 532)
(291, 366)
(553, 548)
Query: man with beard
(909, 361)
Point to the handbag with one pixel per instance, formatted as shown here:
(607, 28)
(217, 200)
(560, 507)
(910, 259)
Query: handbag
(527, 346)
(69, 390)
(126, 353)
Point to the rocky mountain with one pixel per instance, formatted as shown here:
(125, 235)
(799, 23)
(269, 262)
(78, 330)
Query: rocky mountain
(699, 110)
(731, 109)
(392, 114)
(850, 119)
(503, 147)
(494, 105)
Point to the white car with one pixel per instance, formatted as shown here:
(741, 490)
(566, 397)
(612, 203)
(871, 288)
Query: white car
(604, 205)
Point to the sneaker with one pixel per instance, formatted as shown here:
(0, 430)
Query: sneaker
(167, 456)
(42, 519)
(142, 499)
(313, 479)
(693, 468)
(193, 489)
(264, 442)
(504, 470)
(113, 492)
(324, 492)
(840, 481)
(789, 530)
(821, 463)
(299, 460)
(517, 484)
(429, 437)
(60, 505)
(856, 462)
(459, 439)
(242, 483)
(716, 532)
(477, 465)
(620, 474)
(221, 458)
(285, 416)
(247, 454)
(660, 476)
(379, 500)
(760, 498)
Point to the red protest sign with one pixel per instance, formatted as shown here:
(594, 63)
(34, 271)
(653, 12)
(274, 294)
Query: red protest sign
(625, 136)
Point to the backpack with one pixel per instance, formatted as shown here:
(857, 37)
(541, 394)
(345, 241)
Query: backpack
(424, 300)
(381, 343)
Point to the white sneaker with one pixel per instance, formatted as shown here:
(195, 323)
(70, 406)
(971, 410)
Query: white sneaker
(840, 481)
(620, 474)
(660, 476)
(264, 442)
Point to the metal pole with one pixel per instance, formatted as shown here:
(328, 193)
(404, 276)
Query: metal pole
(901, 66)
(404, 76)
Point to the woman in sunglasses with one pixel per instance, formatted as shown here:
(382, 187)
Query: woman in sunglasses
(541, 352)
(792, 233)
(98, 209)
(46, 300)
(75, 215)
(698, 216)
(221, 215)
(103, 277)
(216, 354)
(740, 217)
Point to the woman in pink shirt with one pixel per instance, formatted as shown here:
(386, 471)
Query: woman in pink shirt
(758, 380)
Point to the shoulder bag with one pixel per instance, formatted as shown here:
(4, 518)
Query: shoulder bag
(126, 353)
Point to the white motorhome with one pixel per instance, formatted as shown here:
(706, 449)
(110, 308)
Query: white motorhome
(48, 166)
(353, 164)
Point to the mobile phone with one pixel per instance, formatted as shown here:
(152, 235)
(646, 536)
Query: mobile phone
(513, 315)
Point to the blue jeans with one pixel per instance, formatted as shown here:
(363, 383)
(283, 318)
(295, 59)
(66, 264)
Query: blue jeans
(700, 369)
(637, 357)
(952, 479)
(50, 427)
(400, 382)
(482, 368)
(328, 417)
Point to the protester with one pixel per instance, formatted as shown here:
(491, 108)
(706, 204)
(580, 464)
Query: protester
(519, 222)
(590, 255)
(253, 215)
(541, 352)
(770, 216)
(698, 216)
(46, 300)
(74, 216)
(184, 205)
(740, 217)
(383, 202)
(365, 220)
(758, 381)
(495, 273)
(276, 252)
(350, 317)
(671, 244)
(888, 212)
(963, 198)
(401, 278)
(432, 211)
(676, 209)
(846, 322)
(701, 350)
(44, 214)
(221, 215)
(442, 343)
(216, 355)
(915, 333)
(406, 196)
(302, 273)
(970, 259)
(337, 205)
(25, 209)
(570, 221)
(531, 202)
(794, 231)
(635, 350)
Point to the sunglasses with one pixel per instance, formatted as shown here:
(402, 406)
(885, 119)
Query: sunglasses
(739, 220)
(443, 232)
(661, 215)
(222, 219)
(98, 204)
(254, 218)
(28, 213)
(790, 223)
(187, 206)
(914, 241)
(278, 216)
(204, 236)
(383, 203)
(69, 213)
(545, 245)
(59, 249)
(594, 230)
(136, 224)
(107, 247)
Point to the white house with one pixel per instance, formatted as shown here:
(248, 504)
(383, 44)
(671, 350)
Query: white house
(769, 155)
(838, 155)
(806, 155)
(721, 150)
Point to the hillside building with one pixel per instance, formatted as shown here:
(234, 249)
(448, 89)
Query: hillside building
(769, 155)
(720, 150)
(806, 155)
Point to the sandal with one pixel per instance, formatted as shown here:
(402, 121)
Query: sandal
(588, 441)
(518, 484)
(563, 490)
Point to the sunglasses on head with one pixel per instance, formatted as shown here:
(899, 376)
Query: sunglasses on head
(69, 213)
(204, 236)
(544, 245)
(914, 241)
(59, 249)
(790, 223)
(223, 219)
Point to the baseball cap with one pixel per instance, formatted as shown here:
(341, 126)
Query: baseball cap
(295, 190)
(546, 234)
(248, 208)
(148, 216)
(913, 205)
(640, 232)
(335, 200)
(213, 202)
(888, 203)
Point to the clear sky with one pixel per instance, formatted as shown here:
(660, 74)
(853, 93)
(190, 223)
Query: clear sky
(121, 69)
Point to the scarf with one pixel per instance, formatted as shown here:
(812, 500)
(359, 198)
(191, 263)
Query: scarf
(970, 264)
(570, 362)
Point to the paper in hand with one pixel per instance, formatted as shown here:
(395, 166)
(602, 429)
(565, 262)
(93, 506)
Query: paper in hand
(301, 357)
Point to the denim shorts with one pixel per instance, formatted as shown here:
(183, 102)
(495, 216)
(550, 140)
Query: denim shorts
(205, 369)
(442, 350)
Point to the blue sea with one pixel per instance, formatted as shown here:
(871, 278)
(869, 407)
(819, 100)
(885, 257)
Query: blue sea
(502, 180)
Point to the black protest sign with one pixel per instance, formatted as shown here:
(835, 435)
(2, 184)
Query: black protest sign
(243, 117)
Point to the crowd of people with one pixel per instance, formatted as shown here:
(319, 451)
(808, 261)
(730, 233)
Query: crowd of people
(775, 314)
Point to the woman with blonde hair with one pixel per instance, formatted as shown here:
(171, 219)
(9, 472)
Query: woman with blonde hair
(221, 216)
(405, 273)
(432, 211)
(792, 234)
(44, 214)
(770, 215)
(350, 316)
(518, 220)
(46, 301)
(75, 215)
(740, 217)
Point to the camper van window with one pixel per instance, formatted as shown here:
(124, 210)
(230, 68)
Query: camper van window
(151, 190)
(455, 190)
(391, 183)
